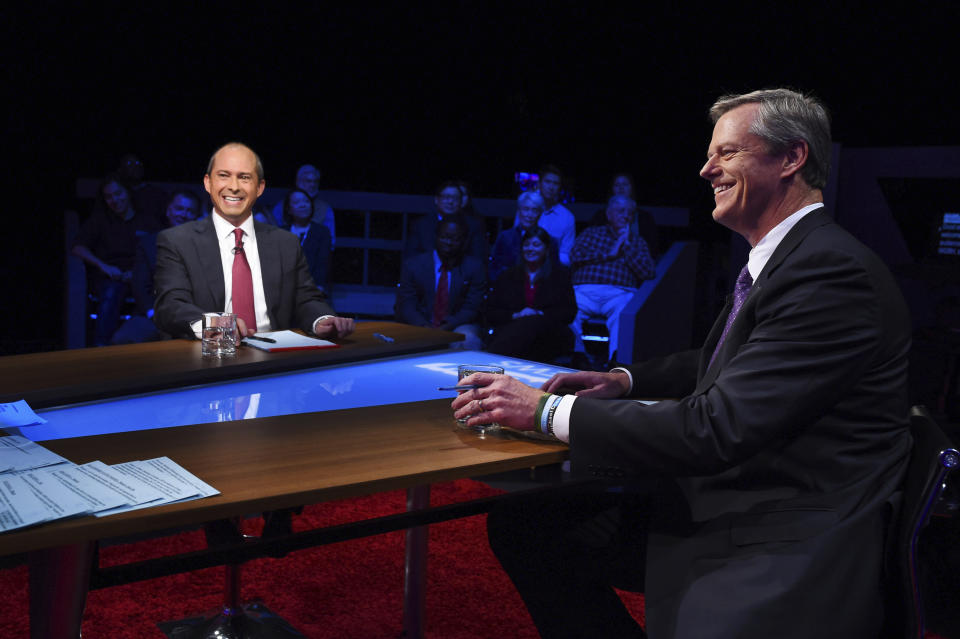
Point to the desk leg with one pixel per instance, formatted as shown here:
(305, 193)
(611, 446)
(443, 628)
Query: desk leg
(415, 567)
(59, 578)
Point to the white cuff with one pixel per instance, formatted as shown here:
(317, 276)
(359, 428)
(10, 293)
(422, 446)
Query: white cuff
(320, 319)
(621, 369)
(561, 418)
(197, 328)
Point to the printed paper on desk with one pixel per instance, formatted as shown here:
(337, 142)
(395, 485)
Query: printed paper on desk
(287, 341)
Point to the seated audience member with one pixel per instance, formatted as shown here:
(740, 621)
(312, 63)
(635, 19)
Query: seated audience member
(314, 238)
(643, 223)
(183, 207)
(609, 264)
(148, 199)
(506, 250)
(444, 288)
(108, 241)
(448, 201)
(308, 180)
(531, 304)
(228, 262)
(556, 218)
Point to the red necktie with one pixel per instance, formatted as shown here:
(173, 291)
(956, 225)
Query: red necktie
(442, 299)
(242, 284)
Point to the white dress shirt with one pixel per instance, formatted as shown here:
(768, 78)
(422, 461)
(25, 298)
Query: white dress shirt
(759, 256)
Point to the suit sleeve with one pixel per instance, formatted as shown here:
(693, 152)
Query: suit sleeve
(475, 283)
(409, 294)
(174, 309)
(310, 304)
(813, 336)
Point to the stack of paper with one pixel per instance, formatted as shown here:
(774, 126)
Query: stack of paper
(38, 486)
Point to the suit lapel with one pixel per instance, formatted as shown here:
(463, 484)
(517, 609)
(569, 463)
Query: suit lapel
(207, 248)
(744, 320)
(270, 266)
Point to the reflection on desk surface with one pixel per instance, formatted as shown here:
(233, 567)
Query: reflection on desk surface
(387, 381)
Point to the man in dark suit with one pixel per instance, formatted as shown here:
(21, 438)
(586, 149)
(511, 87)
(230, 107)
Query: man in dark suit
(197, 262)
(444, 288)
(776, 470)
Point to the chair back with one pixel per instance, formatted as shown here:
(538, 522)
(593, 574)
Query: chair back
(932, 459)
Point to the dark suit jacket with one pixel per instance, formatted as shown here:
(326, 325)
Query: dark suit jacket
(417, 290)
(316, 249)
(786, 450)
(189, 278)
(554, 296)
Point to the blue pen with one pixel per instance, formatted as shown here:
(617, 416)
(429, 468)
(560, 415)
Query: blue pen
(383, 338)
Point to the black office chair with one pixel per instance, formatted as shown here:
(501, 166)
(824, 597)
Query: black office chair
(932, 460)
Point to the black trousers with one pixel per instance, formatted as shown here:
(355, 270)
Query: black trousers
(565, 550)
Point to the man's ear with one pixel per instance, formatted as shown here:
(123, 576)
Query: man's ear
(795, 158)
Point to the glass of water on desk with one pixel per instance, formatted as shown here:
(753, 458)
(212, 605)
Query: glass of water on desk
(219, 335)
(465, 370)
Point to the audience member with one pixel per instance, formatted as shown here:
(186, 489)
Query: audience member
(507, 248)
(643, 223)
(532, 303)
(215, 264)
(314, 238)
(108, 241)
(308, 180)
(148, 199)
(609, 264)
(774, 472)
(444, 288)
(183, 207)
(556, 218)
(448, 200)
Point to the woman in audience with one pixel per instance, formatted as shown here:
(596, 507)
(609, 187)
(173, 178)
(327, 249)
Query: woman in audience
(643, 224)
(532, 303)
(314, 238)
(107, 241)
(506, 249)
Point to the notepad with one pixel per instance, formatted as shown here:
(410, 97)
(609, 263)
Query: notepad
(287, 341)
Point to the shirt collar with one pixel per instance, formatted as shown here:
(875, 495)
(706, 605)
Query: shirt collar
(224, 228)
(760, 254)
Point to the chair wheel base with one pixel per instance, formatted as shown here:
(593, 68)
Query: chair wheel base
(252, 621)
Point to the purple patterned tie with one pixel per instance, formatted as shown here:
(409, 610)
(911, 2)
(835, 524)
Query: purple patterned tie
(740, 290)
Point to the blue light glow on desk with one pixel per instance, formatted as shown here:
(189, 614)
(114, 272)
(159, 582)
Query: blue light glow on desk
(386, 381)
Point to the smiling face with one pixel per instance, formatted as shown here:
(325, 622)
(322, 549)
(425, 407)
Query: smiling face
(448, 200)
(745, 176)
(449, 241)
(233, 184)
(301, 208)
(528, 215)
(116, 198)
(534, 252)
(181, 210)
(619, 216)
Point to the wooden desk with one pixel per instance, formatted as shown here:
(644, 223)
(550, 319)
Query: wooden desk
(257, 464)
(277, 462)
(63, 377)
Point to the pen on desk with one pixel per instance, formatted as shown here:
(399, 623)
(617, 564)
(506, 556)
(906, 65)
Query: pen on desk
(465, 387)
(383, 338)
(268, 340)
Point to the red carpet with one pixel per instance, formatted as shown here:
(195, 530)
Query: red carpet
(348, 590)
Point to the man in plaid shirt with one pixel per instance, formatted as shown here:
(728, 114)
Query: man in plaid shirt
(609, 263)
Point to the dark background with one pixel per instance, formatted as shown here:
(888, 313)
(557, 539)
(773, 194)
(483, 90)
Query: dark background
(385, 97)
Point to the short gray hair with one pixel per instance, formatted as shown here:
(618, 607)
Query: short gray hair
(622, 199)
(256, 157)
(531, 198)
(785, 117)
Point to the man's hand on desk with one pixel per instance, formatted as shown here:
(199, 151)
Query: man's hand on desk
(333, 326)
(243, 330)
(589, 384)
(501, 398)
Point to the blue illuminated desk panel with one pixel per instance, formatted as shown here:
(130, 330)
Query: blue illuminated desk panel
(386, 381)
